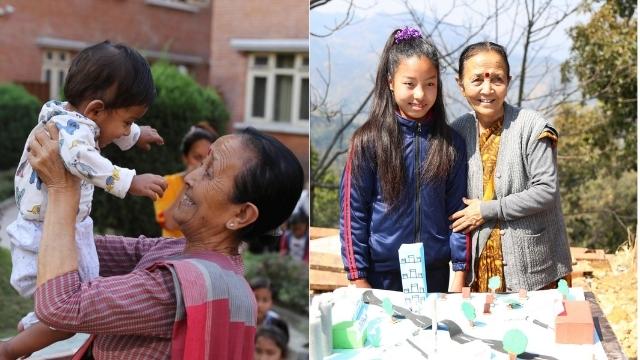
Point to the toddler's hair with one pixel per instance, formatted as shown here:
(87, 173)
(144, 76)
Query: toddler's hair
(116, 74)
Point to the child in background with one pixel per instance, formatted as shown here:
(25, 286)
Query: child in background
(272, 341)
(295, 241)
(108, 88)
(261, 287)
(405, 174)
(194, 148)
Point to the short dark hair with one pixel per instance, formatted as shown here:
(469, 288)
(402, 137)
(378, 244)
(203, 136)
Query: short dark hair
(272, 182)
(116, 74)
(298, 218)
(200, 131)
(260, 282)
(479, 47)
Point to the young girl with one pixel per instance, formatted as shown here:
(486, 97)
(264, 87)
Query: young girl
(263, 292)
(108, 88)
(406, 173)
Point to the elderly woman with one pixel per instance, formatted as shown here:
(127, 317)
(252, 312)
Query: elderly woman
(161, 299)
(514, 213)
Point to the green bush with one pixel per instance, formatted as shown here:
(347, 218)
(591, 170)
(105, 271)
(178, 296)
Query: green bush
(179, 104)
(6, 183)
(12, 306)
(289, 278)
(18, 115)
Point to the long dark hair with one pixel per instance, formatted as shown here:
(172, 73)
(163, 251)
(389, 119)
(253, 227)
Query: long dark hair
(378, 142)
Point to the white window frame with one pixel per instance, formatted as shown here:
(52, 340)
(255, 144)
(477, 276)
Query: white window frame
(299, 71)
(56, 66)
(186, 5)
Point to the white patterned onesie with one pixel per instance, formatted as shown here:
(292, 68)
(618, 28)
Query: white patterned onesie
(81, 155)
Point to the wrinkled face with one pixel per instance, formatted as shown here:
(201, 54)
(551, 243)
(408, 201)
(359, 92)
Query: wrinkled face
(484, 84)
(117, 123)
(206, 204)
(197, 153)
(414, 86)
(266, 349)
(264, 300)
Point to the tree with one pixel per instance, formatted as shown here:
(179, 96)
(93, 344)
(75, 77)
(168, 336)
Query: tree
(597, 150)
(604, 62)
(598, 199)
(324, 198)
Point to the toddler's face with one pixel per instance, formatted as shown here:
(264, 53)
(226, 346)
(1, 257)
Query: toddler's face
(117, 123)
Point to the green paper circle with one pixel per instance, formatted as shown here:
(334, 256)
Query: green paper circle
(514, 341)
(494, 282)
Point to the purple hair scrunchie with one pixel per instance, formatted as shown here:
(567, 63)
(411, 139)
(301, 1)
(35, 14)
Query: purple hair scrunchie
(407, 33)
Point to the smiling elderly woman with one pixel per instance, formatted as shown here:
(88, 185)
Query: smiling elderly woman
(514, 214)
(160, 298)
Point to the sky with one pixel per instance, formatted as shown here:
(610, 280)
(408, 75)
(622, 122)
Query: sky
(349, 56)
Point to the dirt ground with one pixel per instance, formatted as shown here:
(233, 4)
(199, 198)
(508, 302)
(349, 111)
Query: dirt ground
(615, 286)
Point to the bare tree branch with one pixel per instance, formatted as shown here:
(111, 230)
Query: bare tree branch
(347, 20)
(323, 164)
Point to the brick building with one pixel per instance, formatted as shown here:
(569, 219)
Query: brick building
(255, 53)
(260, 65)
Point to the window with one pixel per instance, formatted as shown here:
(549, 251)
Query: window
(55, 64)
(278, 88)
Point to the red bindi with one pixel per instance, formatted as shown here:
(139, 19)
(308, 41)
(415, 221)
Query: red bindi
(487, 74)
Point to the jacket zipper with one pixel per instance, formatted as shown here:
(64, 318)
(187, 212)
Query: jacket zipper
(417, 179)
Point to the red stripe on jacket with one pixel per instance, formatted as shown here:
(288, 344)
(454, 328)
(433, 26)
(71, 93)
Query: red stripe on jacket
(353, 271)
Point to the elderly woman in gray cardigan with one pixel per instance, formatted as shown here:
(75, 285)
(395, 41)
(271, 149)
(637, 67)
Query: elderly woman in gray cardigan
(513, 212)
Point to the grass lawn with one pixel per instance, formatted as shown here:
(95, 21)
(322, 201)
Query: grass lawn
(12, 306)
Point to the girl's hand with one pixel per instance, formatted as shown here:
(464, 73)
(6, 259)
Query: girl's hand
(148, 136)
(467, 219)
(149, 185)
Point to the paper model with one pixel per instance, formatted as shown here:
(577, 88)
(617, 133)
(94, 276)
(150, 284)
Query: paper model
(575, 324)
(414, 280)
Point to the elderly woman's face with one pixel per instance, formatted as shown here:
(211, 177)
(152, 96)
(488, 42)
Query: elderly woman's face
(484, 83)
(206, 204)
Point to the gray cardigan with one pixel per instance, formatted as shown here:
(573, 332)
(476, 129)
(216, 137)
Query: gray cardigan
(534, 241)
